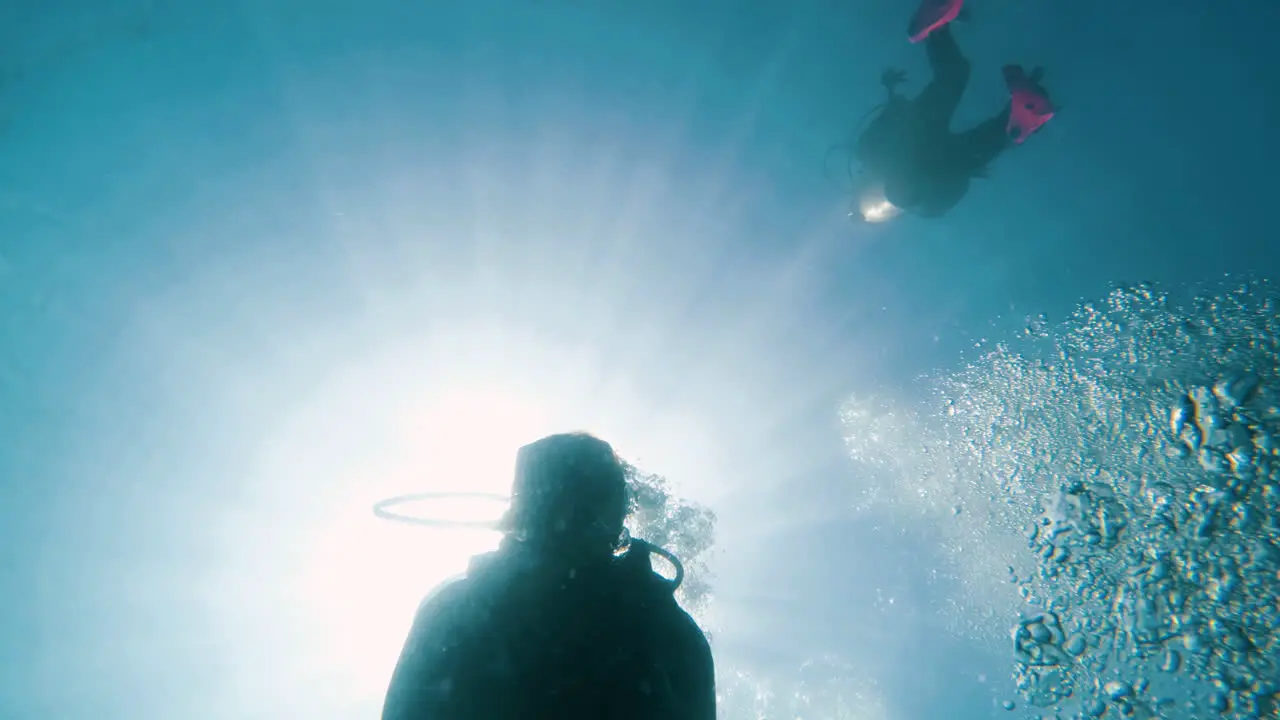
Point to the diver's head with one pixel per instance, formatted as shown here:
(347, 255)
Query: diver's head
(569, 496)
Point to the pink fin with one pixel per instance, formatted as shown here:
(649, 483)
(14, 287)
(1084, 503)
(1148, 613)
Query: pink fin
(932, 15)
(1030, 105)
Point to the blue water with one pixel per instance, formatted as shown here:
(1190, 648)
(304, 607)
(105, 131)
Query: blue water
(256, 259)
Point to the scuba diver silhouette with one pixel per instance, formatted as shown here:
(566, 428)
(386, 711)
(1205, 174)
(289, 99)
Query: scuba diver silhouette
(910, 159)
(558, 623)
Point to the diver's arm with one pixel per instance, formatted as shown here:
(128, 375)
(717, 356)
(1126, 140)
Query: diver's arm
(422, 684)
(692, 654)
(704, 699)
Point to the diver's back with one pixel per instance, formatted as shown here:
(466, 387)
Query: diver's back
(589, 644)
(521, 640)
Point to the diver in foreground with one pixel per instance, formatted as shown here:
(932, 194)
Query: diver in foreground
(910, 159)
(555, 623)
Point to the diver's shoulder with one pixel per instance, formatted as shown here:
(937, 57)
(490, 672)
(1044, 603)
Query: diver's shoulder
(445, 599)
(459, 590)
(670, 614)
(688, 626)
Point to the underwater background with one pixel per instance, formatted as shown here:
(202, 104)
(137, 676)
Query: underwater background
(263, 263)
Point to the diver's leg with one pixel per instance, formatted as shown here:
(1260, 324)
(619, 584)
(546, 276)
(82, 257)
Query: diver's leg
(931, 15)
(1029, 102)
(1028, 109)
(938, 101)
(983, 143)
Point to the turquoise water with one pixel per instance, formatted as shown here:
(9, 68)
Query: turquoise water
(262, 264)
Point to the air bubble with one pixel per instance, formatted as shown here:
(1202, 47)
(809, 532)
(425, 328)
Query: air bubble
(1116, 690)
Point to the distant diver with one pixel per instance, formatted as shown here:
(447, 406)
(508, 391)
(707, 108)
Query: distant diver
(559, 623)
(910, 160)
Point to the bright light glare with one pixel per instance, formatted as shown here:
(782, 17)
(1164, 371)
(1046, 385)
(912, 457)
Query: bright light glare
(875, 207)
(310, 541)
(367, 575)
(456, 440)
(462, 336)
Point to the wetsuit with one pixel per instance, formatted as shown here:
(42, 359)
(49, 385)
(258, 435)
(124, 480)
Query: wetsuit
(531, 638)
(924, 167)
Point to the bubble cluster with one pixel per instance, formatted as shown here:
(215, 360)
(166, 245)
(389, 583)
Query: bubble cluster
(1168, 566)
(1123, 469)
(686, 529)
(824, 688)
